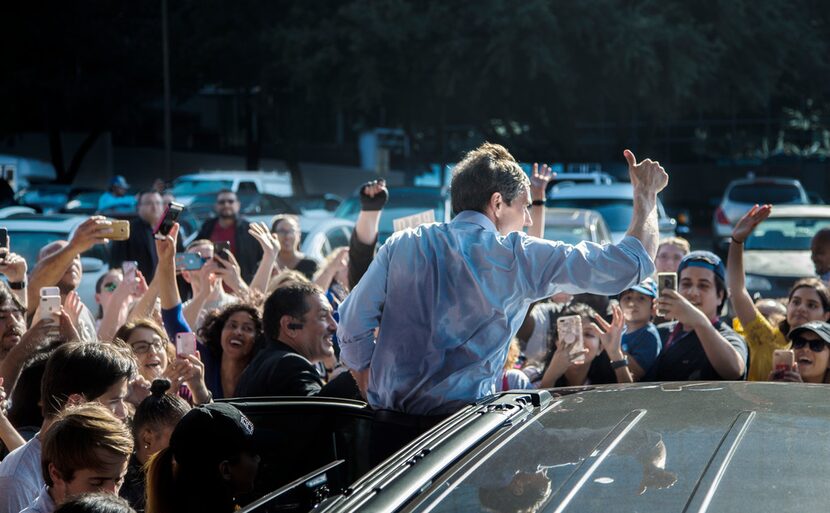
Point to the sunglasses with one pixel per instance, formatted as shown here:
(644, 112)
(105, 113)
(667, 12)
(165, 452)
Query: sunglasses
(223, 201)
(816, 345)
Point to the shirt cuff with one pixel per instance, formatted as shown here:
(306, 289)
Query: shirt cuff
(356, 352)
(635, 249)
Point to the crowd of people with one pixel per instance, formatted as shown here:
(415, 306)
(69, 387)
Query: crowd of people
(96, 400)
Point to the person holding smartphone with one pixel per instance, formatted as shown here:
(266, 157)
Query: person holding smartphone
(697, 345)
(811, 345)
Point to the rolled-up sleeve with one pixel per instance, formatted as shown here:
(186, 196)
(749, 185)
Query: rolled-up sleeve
(360, 314)
(586, 267)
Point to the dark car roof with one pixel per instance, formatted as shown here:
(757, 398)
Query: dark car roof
(646, 447)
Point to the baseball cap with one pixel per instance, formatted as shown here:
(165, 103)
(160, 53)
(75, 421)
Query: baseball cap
(822, 329)
(119, 181)
(705, 259)
(647, 288)
(211, 433)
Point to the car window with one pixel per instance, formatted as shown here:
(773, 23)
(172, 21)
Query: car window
(247, 188)
(766, 193)
(785, 234)
(568, 234)
(338, 237)
(27, 244)
(191, 187)
(616, 212)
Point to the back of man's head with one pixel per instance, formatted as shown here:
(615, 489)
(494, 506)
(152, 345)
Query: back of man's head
(488, 169)
(85, 368)
(51, 248)
(88, 436)
(291, 300)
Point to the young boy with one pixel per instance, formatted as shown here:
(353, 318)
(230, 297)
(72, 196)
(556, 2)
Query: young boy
(641, 340)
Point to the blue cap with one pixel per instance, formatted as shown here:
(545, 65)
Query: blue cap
(119, 181)
(646, 288)
(705, 259)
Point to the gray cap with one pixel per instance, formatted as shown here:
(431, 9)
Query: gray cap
(822, 329)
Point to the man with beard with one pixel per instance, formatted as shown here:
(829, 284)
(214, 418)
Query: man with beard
(229, 226)
(12, 320)
(141, 246)
(59, 265)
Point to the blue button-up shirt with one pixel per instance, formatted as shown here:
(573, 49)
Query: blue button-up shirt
(448, 298)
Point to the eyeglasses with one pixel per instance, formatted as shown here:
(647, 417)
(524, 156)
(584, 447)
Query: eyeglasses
(223, 201)
(110, 287)
(143, 347)
(816, 345)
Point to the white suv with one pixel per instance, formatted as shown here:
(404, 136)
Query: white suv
(187, 187)
(740, 195)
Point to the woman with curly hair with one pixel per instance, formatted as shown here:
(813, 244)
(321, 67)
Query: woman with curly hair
(229, 339)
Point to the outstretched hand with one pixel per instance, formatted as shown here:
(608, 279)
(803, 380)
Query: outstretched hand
(646, 176)
(539, 181)
(747, 223)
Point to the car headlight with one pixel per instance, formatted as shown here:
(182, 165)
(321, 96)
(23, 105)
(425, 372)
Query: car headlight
(754, 282)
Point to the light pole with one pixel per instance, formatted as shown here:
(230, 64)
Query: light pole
(168, 144)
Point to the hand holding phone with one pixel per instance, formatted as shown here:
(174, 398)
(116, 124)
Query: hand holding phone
(4, 244)
(783, 360)
(221, 250)
(189, 261)
(665, 281)
(120, 229)
(185, 343)
(50, 307)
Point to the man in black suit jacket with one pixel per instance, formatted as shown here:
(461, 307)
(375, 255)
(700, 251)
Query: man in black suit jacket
(141, 246)
(229, 226)
(298, 326)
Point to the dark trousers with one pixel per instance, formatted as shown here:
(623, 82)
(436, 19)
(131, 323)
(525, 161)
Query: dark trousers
(393, 430)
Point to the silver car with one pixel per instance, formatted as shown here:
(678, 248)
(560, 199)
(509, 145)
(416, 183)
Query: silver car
(574, 225)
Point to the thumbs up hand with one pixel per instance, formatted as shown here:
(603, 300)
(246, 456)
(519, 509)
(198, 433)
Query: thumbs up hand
(647, 176)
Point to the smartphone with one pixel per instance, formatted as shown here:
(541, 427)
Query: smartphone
(170, 216)
(569, 329)
(129, 267)
(189, 262)
(222, 249)
(50, 306)
(783, 360)
(185, 343)
(4, 243)
(665, 281)
(120, 229)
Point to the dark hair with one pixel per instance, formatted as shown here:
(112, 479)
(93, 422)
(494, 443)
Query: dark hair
(224, 191)
(488, 169)
(86, 368)
(211, 331)
(810, 283)
(291, 300)
(6, 296)
(70, 443)
(95, 503)
(159, 409)
(277, 219)
(25, 410)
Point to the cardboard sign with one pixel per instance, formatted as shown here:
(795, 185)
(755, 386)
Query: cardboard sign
(402, 223)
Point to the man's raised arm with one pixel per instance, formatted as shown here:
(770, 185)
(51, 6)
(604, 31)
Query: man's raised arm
(648, 178)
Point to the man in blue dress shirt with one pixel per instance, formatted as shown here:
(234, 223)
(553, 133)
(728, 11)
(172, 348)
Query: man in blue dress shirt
(447, 298)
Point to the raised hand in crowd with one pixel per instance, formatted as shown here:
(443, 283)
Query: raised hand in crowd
(373, 197)
(190, 370)
(210, 292)
(166, 269)
(747, 223)
(790, 376)
(648, 178)
(560, 362)
(336, 266)
(610, 336)
(14, 268)
(270, 249)
(231, 273)
(538, 187)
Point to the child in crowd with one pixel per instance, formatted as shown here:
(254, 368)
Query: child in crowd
(641, 340)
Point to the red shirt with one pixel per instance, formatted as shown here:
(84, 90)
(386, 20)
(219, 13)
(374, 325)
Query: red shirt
(220, 234)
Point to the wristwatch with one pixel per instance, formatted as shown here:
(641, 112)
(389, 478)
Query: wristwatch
(538, 203)
(17, 285)
(620, 363)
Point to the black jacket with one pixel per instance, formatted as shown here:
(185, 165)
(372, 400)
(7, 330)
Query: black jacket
(248, 251)
(141, 247)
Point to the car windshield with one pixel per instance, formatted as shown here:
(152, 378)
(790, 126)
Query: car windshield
(792, 234)
(190, 187)
(27, 244)
(766, 193)
(617, 212)
(567, 234)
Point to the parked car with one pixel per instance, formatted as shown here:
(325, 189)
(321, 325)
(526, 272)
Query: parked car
(403, 202)
(740, 195)
(28, 233)
(84, 202)
(641, 447)
(614, 201)
(50, 198)
(186, 187)
(321, 237)
(777, 253)
(573, 225)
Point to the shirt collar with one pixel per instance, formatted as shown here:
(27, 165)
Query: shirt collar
(473, 217)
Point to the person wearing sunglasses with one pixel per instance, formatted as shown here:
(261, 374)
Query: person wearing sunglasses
(812, 357)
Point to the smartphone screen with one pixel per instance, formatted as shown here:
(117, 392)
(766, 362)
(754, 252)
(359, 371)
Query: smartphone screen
(189, 261)
(665, 281)
(185, 343)
(129, 267)
(783, 360)
(569, 330)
